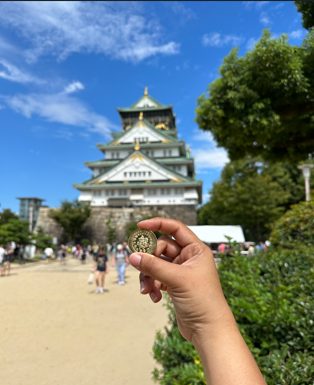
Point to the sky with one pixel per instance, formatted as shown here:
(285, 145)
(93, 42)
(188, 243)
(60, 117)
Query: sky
(65, 68)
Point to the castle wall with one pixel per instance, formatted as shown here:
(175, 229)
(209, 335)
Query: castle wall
(97, 228)
(47, 224)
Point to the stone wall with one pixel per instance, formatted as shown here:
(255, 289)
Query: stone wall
(96, 226)
(49, 225)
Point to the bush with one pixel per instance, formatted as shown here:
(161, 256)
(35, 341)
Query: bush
(271, 297)
(295, 226)
(180, 364)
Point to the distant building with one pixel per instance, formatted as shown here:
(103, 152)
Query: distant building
(212, 235)
(145, 164)
(29, 210)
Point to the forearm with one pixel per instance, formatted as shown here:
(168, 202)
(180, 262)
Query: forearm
(225, 356)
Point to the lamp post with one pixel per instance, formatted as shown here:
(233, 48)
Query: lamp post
(306, 171)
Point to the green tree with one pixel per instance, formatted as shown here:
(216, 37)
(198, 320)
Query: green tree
(6, 215)
(71, 217)
(15, 230)
(295, 226)
(111, 231)
(263, 103)
(42, 240)
(252, 194)
(306, 7)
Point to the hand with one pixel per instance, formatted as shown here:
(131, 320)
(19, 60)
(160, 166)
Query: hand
(189, 276)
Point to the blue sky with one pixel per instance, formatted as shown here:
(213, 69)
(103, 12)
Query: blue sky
(66, 66)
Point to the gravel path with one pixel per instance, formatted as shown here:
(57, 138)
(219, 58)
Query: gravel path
(55, 330)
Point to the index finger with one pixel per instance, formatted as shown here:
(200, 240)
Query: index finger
(182, 234)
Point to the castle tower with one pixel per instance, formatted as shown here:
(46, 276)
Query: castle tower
(145, 164)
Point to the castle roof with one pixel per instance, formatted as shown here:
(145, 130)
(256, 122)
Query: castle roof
(145, 102)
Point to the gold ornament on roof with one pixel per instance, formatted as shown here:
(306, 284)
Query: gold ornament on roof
(162, 126)
(146, 91)
(137, 145)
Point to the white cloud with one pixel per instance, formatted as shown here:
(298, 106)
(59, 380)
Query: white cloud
(210, 158)
(61, 28)
(259, 6)
(255, 4)
(215, 39)
(74, 87)
(60, 108)
(181, 10)
(6, 47)
(203, 136)
(297, 34)
(10, 72)
(264, 18)
(206, 197)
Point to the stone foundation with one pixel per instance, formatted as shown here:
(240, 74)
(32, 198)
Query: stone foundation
(96, 226)
(47, 224)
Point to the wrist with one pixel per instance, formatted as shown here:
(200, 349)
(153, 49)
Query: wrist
(213, 329)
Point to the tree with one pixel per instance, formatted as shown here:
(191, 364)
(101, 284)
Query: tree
(6, 215)
(306, 7)
(71, 217)
(42, 240)
(111, 231)
(252, 194)
(263, 103)
(15, 230)
(295, 226)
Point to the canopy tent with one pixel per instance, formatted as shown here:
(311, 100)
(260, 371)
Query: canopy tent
(218, 234)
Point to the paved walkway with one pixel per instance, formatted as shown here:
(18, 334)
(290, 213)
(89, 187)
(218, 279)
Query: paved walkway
(56, 331)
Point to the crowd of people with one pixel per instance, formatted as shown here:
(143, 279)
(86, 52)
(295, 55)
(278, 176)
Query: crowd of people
(116, 254)
(247, 248)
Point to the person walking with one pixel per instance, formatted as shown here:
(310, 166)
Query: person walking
(2, 255)
(121, 259)
(100, 270)
(8, 258)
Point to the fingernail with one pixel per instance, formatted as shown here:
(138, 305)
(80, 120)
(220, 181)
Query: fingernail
(135, 259)
(142, 288)
(153, 296)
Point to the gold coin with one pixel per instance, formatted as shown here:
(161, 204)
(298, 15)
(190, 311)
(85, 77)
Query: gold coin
(143, 241)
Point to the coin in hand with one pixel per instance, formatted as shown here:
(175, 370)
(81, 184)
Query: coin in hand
(143, 241)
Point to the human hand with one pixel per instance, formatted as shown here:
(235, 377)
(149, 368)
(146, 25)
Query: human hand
(189, 276)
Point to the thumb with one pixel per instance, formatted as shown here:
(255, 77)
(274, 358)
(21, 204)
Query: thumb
(155, 267)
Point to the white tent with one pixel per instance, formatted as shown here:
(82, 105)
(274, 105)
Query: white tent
(218, 234)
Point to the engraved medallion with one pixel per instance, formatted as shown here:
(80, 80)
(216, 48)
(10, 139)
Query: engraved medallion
(143, 241)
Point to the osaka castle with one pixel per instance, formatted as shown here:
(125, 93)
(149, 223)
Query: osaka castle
(145, 164)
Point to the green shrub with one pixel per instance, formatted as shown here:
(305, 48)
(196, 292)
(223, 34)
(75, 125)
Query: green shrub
(180, 364)
(295, 226)
(271, 297)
